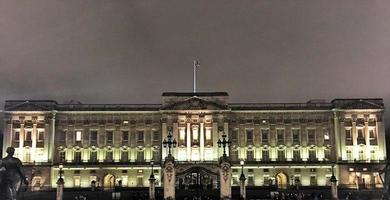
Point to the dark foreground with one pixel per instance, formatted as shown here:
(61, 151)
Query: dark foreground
(252, 193)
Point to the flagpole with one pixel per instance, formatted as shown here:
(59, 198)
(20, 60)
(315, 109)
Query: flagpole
(194, 76)
(196, 64)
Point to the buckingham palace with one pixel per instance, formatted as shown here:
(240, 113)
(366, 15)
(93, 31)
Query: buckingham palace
(272, 144)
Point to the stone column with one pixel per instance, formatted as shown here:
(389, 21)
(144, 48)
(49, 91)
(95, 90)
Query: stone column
(60, 189)
(169, 177)
(152, 190)
(225, 178)
(188, 142)
(201, 141)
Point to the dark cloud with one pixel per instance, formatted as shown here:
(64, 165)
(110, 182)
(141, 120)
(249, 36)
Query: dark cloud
(132, 51)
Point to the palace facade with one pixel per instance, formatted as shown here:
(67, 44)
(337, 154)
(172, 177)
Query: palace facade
(281, 144)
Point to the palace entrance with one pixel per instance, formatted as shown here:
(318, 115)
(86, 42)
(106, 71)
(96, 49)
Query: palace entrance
(281, 180)
(197, 180)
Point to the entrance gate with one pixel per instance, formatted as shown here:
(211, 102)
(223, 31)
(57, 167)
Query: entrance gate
(197, 181)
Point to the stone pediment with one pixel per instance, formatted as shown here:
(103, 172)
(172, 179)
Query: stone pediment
(27, 106)
(361, 104)
(195, 103)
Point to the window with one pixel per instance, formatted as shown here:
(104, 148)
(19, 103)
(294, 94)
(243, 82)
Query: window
(93, 156)
(327, 153)
(125, 136)
(109, 137)
(124, 156)
(41, 135)
(234, 135)
(208, 134)
(156, 156)
(249, 135)
(77, 181)
(312, 155)
(140, 136)
(295, 133)
(372, 134)
(78, 136)
(296, 155)
(280, 136)
(311, 135)
(235, 180)
(195, 135)
(361, 155)
(156, 136)
(249, 155)
(281, 155)
(61, 156)
(94, 137)
(234, 155)
(16, 136)
(28, 136)
(266, 180)
(109, 156)
(264, 136)
(348, 134)
(265, 155)
(349, 154)
(373, 155)
(182, 134)
(140, 181)
(360, 133)
(326, 134)
(62, 136)
(140, 156)
(77, 156)
(313, 180)
(251, 181)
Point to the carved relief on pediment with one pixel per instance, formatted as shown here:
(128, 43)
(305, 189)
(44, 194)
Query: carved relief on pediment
(195, 103)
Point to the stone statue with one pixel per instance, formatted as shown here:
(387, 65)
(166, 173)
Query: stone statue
(11, 176)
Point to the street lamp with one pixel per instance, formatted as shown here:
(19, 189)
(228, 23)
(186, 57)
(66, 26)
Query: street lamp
(170, 143)
(242, 181)
(242, 177)
(224, 143)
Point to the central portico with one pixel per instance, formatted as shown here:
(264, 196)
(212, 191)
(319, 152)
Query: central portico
(196, 122)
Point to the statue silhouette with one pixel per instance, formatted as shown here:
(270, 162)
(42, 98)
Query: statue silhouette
(11, 176)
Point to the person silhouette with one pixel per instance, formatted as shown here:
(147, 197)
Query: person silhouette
(12, 174)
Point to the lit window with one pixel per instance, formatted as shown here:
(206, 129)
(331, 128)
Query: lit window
(208, 134)
(195, 133)
(40, 136)
(351, 169)
(78, 136)
(326, 134)
(182, 134)
(77, 181)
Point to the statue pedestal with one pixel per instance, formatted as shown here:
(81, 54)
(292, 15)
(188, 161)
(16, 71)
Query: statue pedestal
(152, 188)
(169, 177)
(60, 189)
(225, 178)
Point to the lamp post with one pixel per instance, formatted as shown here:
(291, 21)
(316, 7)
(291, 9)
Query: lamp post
(60, 184)
(152, 180)
(242, 181)
(170, 143)
(333, 182)
(169, 174)
(224, 143)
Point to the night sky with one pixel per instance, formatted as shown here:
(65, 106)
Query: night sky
(132, 51)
